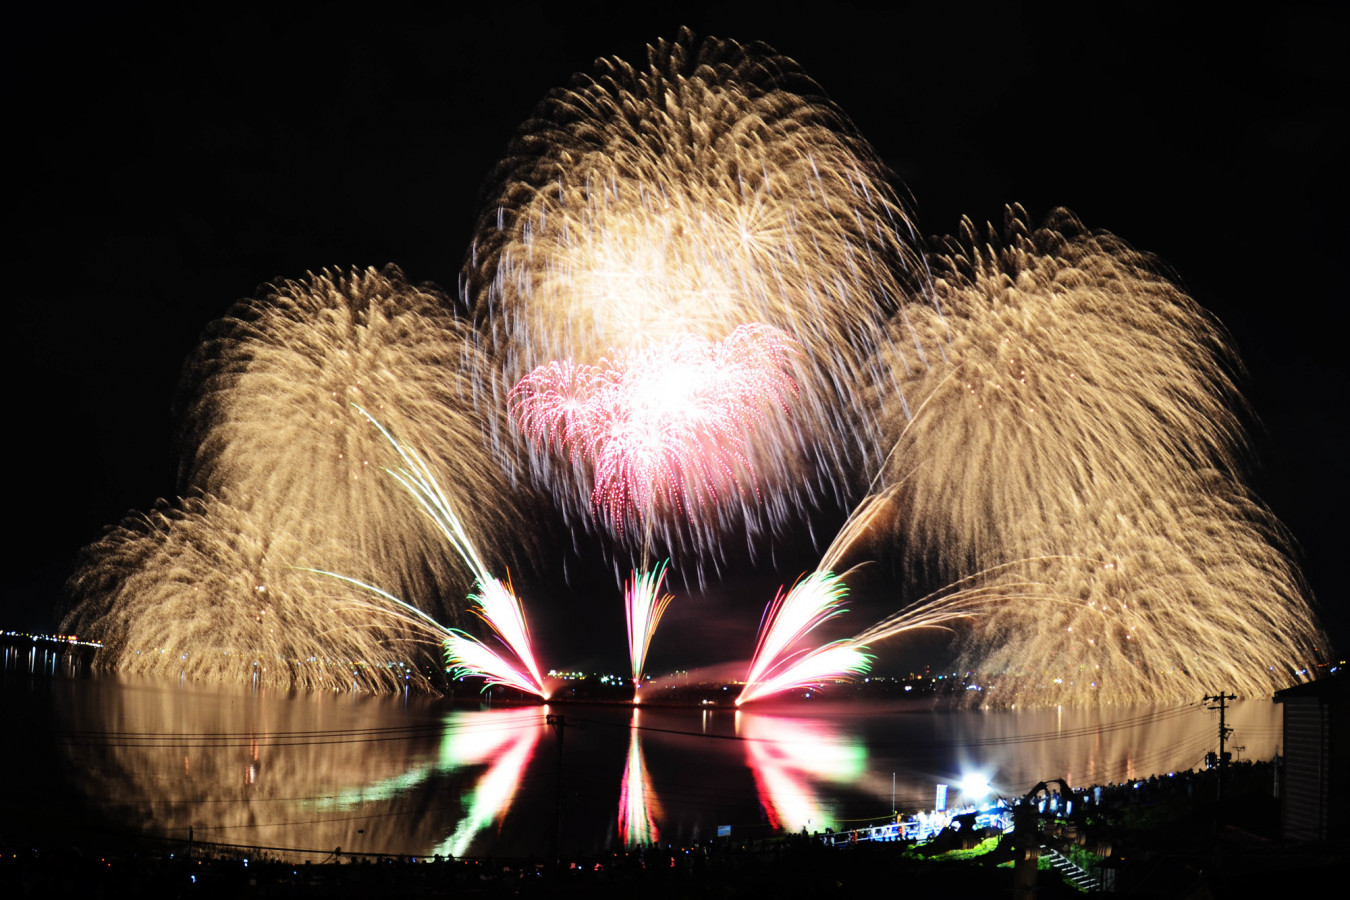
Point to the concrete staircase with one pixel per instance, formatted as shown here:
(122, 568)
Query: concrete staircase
(1073, 873)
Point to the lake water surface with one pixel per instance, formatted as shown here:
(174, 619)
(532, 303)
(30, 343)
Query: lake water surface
(417, 775)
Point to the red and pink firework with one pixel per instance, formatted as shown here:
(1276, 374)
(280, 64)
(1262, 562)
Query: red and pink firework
(668, 427)
(644, 604)
(499, 607)
(812, 601)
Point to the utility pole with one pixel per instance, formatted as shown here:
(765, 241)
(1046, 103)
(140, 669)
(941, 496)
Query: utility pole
(1224, 731)
(559, 723)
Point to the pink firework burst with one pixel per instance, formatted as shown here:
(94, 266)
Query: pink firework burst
(669, 426)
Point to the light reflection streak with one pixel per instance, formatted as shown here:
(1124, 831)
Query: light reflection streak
(789, 758)
(494, 792)
(467, 739)
(325, 768)
(638, 807)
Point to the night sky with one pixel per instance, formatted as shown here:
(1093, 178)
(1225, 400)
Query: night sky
(162, 167)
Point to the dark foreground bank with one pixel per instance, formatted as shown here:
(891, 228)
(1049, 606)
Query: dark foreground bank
(1160, 837)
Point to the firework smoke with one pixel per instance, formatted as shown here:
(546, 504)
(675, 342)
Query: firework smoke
(703, 191)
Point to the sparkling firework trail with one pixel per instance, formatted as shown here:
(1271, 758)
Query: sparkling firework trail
(500, 609)
(466, 656)
(644, 605)
(418, 480)
(812, 601)
(974, 598)
(667, 428)
(702, 191)
(494, 602)
(813, 668)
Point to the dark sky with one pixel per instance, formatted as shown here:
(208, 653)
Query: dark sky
(161, 167)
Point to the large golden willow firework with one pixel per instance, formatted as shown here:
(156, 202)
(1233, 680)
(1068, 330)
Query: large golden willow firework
(1077, 442)
(707, 190)
(271, 425)
(1064, 365)
(1175, 589)
(289, 475)
(203, 590)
